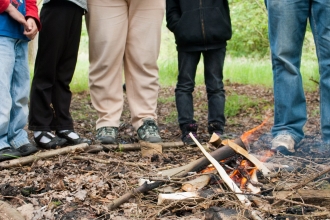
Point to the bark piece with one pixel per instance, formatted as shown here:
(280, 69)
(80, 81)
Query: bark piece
(149, 149)
(196, 184)
(9, 213)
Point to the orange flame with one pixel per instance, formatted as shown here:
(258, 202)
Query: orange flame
(246, 136)
(267, 155)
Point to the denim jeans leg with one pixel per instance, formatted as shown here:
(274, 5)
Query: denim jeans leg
(15, 84)
(320, 24)
(213, 73)
(7, 57)
(287, 22)
(187, 62)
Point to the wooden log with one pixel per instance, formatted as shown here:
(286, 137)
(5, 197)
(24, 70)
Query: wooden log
(137, 146)
(197, 165)
(42, 155)
(315, 197)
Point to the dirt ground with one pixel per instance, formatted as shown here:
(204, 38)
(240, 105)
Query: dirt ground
(64, 187)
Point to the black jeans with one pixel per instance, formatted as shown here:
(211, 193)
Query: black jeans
(213, 75)
(56, 59)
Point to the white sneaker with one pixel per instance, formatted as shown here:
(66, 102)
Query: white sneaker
(284, 144)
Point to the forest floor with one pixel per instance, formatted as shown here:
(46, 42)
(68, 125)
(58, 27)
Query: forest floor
(63, 187)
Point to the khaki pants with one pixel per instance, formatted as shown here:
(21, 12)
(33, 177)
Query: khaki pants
(124, 35)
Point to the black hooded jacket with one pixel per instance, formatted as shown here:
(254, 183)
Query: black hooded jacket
(199, 25)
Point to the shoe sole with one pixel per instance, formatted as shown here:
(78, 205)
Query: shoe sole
(283, 150)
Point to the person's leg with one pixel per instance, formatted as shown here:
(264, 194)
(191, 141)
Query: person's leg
(140, 61)
(213, 71)
(187, 64)
(50, 49)
(7, 55)
(287, 25)
(41, 115)
(107, 29)
(320, 23)
(70, 21)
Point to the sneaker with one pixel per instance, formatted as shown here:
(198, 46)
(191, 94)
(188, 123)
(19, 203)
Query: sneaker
(27, 149)
(72, 137)
(215, 127)
(53, 142)
(149, 131)
(8, 153)
(107, 135)
(284, 144)
(186, 129)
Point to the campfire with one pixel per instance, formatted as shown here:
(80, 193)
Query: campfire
(235, 175)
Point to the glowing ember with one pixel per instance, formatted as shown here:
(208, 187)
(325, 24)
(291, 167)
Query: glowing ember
(267, 155)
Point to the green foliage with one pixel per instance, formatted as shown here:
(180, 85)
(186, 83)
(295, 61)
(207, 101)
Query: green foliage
(170, 99)
(234, 103)
(250, 29)
(172, 117)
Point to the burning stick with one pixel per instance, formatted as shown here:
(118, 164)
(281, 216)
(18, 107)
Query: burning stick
(248, 156)
(230, 183)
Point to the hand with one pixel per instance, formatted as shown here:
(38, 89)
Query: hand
(32, 29)
(15, 14)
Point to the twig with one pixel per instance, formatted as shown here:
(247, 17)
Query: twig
(51, 153)
(140, 165)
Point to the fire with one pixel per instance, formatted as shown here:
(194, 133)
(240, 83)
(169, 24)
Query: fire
(267, 155)
(248, 135)
(240, 175)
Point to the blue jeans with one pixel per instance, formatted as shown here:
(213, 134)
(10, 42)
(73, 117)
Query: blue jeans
(213, 75)
(14, 90)
(287, 20)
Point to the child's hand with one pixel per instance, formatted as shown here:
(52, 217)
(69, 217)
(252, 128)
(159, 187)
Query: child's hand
(32, 29)
(15, 14)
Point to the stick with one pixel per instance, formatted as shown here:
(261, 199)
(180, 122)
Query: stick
(140, 165)
(141, 189)
(250, 157)
(221, 153)
(137, 146)
(230, 183)
(51, 153)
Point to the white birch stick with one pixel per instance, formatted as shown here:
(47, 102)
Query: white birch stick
(224, 176)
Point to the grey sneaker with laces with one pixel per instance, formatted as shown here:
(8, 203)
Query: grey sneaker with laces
(107, 135)
(149, 131)
(284, 144)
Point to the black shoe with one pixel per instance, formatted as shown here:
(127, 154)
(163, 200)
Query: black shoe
(215, 127)
(27, 149)
(54, 141)
(186, 129)
(9, 153)
(73, 141)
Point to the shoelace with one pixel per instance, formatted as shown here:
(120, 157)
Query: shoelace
(107, 130)
(151, 128)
